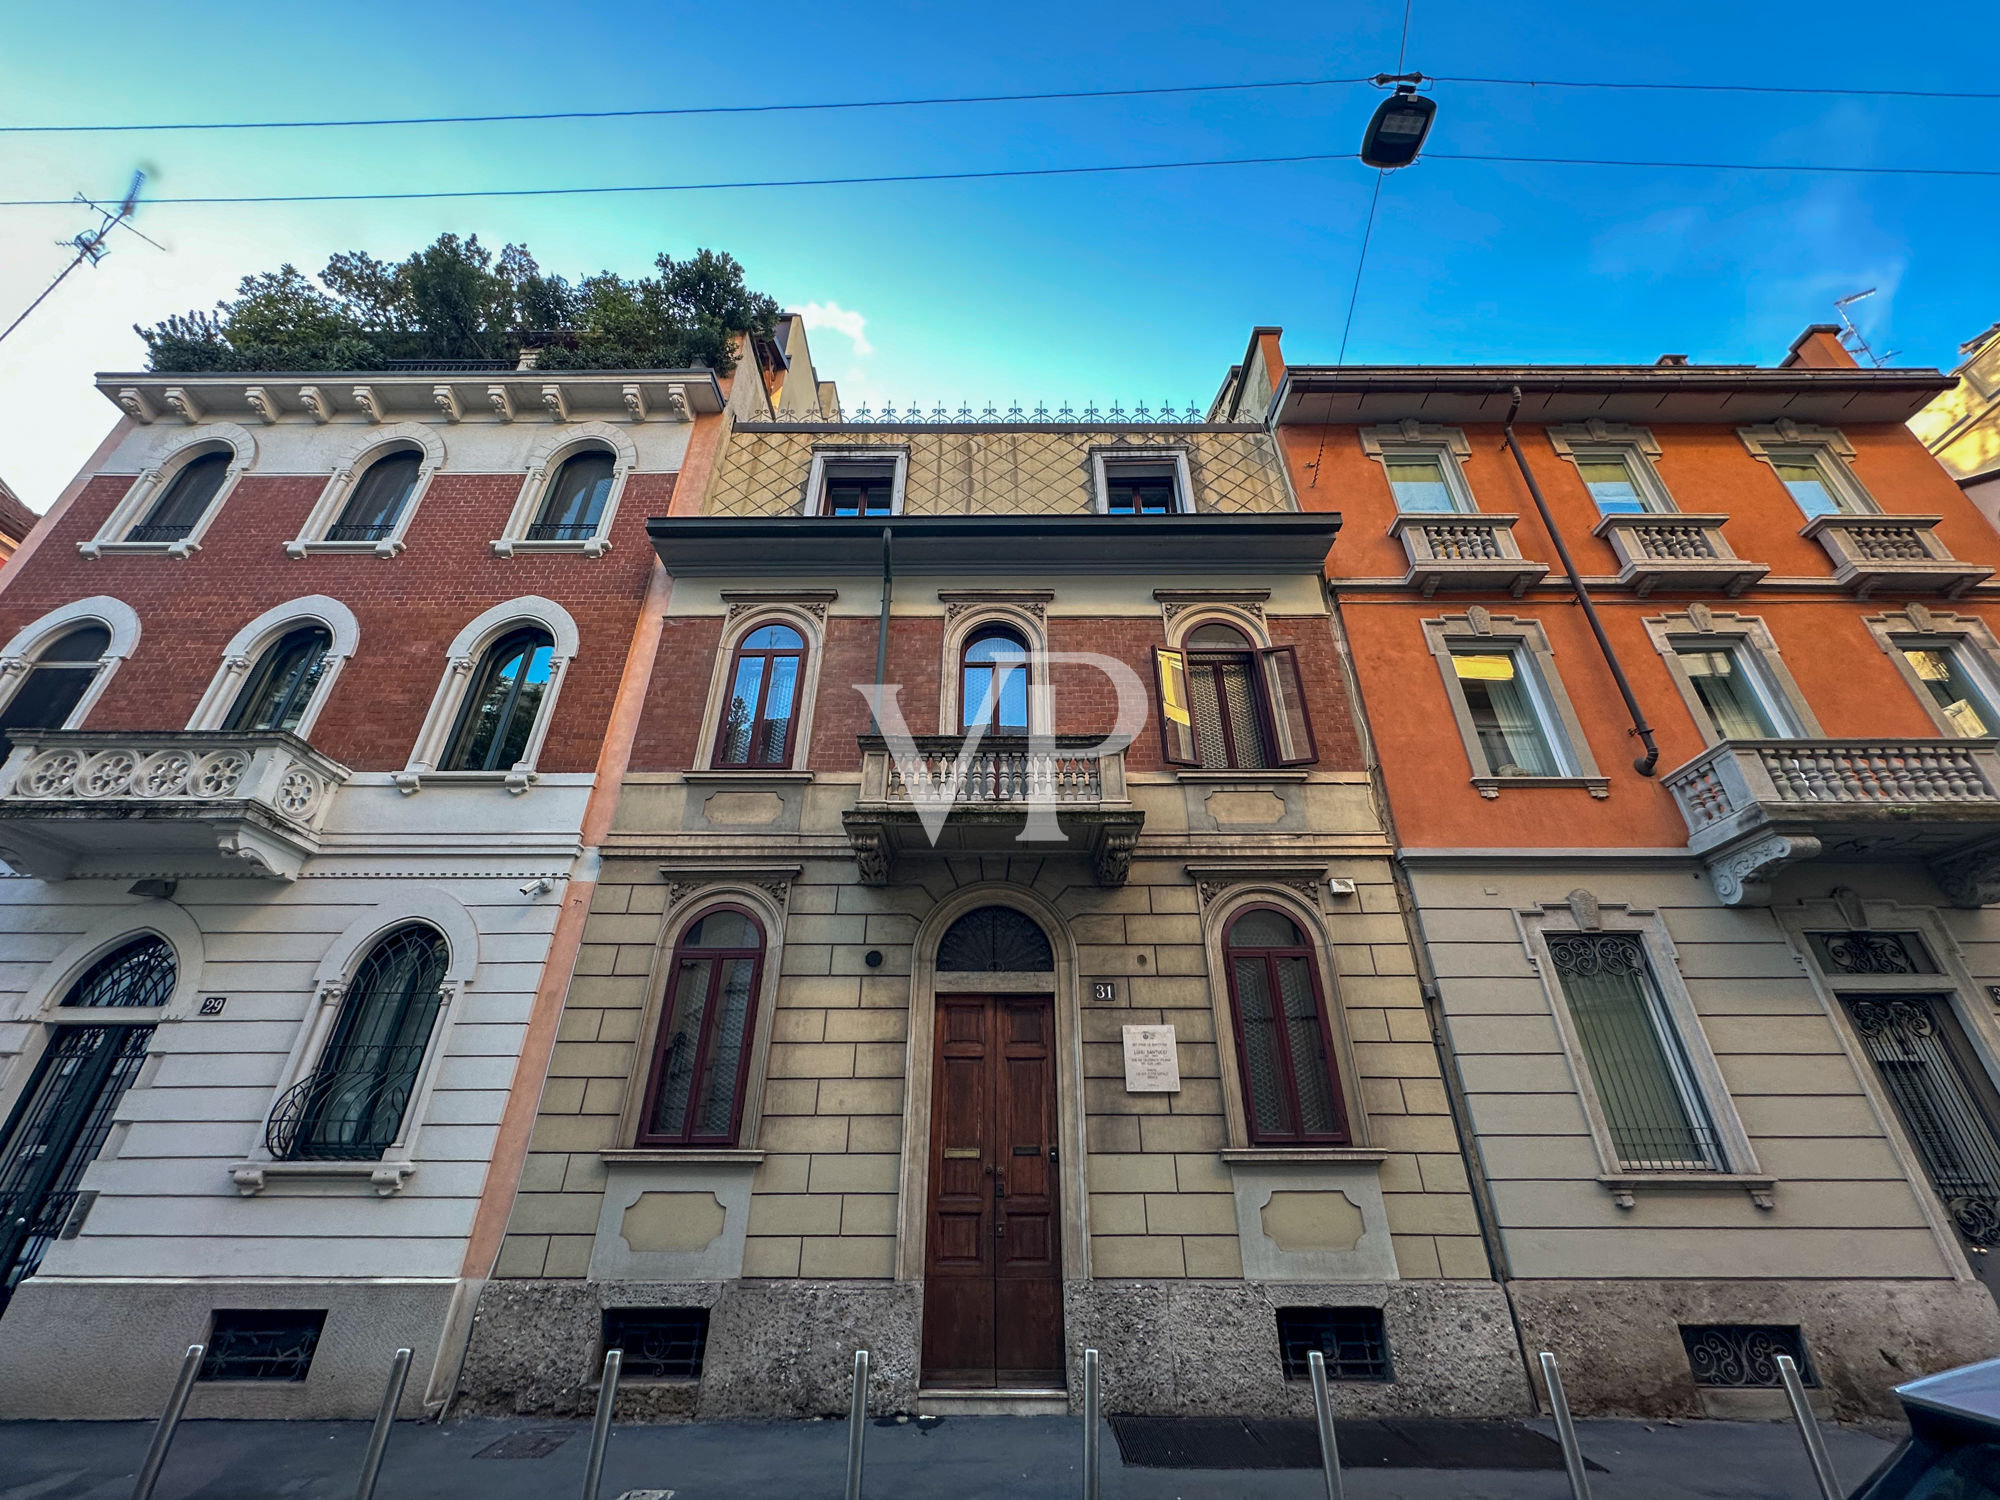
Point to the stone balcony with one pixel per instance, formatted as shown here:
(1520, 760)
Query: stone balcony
(1894, 552)
(1663, 550)
(163, 806)
(1465, 552)
(1753, 807)
(1041, 795)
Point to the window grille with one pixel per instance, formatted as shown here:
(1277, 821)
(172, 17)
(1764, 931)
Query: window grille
(1743, 1356)
(262, 1344)
(138, 973)
(996, 939)
(1352, 1340)
(1283, 1042)
(660, 1343)
(1871, 953)
(701, 1058)
(1655, 1113)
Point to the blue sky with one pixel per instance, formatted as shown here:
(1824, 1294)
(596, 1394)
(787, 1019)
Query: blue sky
(1138, 287)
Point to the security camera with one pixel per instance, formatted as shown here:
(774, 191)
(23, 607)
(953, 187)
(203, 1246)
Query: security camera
(541, 885)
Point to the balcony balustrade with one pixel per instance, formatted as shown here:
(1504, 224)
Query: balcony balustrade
(1465, 552)
(1896, 552)
(1659, 550)
(1065, 793)
(1754, 806)
(163, 805)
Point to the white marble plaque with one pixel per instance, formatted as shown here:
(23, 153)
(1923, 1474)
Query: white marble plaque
(1152, 1061)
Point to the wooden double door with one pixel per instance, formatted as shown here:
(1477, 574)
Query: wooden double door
(992, 1257)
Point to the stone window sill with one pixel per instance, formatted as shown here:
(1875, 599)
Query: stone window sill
(1264, 1156)
(388, 547)
(1624, 1187)
(595, 546)
(696, 1156)
(1234, 776)
(745, 773)
(409, 783)
(1489, 786)
(386, 1177)
(181, 549)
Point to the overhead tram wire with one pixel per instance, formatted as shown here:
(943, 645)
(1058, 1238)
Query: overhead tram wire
(1051, 96)
(1003, 173)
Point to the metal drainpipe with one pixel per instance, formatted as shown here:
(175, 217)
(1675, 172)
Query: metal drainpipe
(882, 626)
(1646, 763)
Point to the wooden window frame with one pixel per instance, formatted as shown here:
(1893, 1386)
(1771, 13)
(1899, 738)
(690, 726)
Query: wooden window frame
(826, 462)
(987, 630)
(1703, 629)
(770, 654)
(644, 1137)
(1104, 461)
(468, 700)
(1257, 1135)
(1174, 661)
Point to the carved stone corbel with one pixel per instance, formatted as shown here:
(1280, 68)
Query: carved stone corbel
(501, 399)
(556, 402)
(182, 403)
(369, 402)
(677, 404)
(1970, 878)
(635, 401)
(1742, 876)
(1114, 854)
(318, 405)
(447, 402)
(262, 402)
(872, 858)
(133, 402)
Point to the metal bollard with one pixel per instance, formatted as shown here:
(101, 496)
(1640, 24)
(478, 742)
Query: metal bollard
(600, 1430)
(1090, 1424)
(1579, 1484)
(1795, 1391)
(163, 1434)
(857, 1418)
(1329, 1450)
(385, 1419)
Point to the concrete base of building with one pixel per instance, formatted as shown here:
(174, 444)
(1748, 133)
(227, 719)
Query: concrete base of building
(786, 1348)
(1176, 1348)
(83, 1348)
(1621, 1351)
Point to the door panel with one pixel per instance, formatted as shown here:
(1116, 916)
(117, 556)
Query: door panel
(993, 1268)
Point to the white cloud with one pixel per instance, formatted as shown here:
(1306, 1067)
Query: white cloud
(840, 320)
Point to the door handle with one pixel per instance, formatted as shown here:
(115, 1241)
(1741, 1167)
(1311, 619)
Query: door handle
(999, 1182)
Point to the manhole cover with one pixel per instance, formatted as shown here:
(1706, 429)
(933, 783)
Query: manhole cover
(537, 1442)
(1293, 1443)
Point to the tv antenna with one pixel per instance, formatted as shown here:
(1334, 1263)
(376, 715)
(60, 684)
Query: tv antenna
(1852, 338)
(90, 244)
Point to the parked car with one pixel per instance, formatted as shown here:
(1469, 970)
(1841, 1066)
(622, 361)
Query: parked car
(1953, 1451)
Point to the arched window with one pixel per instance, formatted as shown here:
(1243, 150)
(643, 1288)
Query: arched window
(500, 706)
(993, 681)
(281, 685)
(694, 1096)
(574, 502)
(378, 498)
(137, 973)
(1284, 1039)
(1227, 705)
(56, 683)
(351, 1108)
(186, 497)
(995, 939)
(763, 707)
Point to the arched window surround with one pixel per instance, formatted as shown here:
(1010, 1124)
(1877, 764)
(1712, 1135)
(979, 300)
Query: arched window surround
(20, 654)
(467, 650)
(693, 898)
(1218, 917)
(337, 968)
(547, 457)
(212, 437)
(1029, 619)
(249, 644)
(379, 445)
(810, 625)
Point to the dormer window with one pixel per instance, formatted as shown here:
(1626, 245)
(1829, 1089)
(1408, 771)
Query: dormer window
(1154, 483)
(858, 484)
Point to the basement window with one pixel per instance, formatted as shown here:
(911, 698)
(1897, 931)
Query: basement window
(1353, 1341)
(660, 1343)
(262, 1343)
(1744, 1356)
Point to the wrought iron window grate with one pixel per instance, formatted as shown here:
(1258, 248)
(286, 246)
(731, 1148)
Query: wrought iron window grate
(359, 531)
(1871, 953)
(1353, 1341)
(995, 939)
(163, 531)
(262, 1343)
(1743, 1356)
(660, 1343)
(562, 531)
(140, 973)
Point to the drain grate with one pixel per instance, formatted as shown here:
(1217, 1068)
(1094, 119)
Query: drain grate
(1293, 1443)
(536, 1442)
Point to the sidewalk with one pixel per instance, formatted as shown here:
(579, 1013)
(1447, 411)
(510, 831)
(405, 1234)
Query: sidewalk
(959, 1458)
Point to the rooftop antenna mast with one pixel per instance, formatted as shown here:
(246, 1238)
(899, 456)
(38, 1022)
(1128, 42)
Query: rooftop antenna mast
(90, 244)
(1852, 337)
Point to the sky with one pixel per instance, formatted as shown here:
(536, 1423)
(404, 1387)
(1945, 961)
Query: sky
(1134, 287)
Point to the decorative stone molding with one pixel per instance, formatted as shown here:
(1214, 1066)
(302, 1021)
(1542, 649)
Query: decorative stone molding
(1970, 879)
(688, 880)
(318, 405)
(385, 1177)
(743, 602)
(501, 399)
(1408, 432)
(957, 602)
(1214, 879)
(447, 402)
(132, 401)
(555, 402)
(634, 397)
(1584, 907)
(1742, 877)
(1175, 602)
(677, 404)
(370, 403)
(263, 403)
(182, 403)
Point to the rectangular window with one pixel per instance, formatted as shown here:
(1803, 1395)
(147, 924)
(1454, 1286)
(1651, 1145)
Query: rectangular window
(1609, 479)
(1739, 706)
(1638, 1067)
(262, 1344)
(1960, 698)
(1872, 952)
(1802, 475)
(1232, 707)
(1142, 489)
(1419, 483)
(1507, 714)
(1352, 1340)
(859, 489)
(659, 1343)
(1744, 1356)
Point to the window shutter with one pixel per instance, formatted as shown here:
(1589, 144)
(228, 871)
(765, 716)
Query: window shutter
(1284, 691)
(1170, 686)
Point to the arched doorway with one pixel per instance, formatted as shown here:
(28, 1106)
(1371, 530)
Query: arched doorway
(993, 1230)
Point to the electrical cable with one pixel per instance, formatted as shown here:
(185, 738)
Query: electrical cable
(956, 99)
(1013, 172)
(1353, 297)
